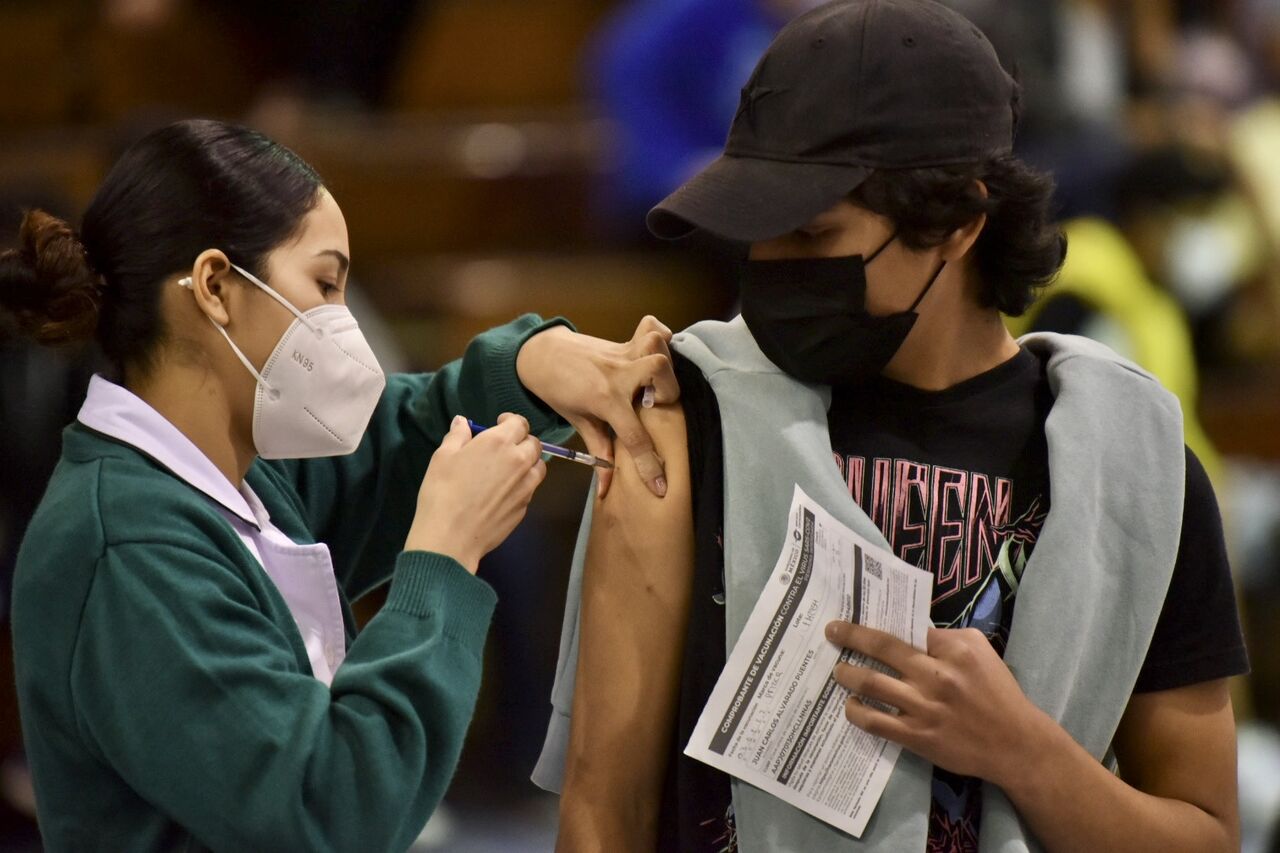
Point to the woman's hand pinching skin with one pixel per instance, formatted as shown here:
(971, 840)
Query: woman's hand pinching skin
(593, 384)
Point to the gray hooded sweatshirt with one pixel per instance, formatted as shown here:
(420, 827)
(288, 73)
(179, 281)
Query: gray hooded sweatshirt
(1087, 604)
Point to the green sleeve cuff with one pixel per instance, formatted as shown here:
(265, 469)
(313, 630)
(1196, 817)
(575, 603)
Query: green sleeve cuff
(429, 585)
(508, 394)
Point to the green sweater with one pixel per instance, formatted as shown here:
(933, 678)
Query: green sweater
(166, 694)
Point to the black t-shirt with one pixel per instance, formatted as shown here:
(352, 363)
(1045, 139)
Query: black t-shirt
(958, 482)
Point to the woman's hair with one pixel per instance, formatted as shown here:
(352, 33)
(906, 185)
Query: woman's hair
(178, 191)
(1020, 249)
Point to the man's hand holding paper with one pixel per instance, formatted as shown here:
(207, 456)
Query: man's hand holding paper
(960, 707)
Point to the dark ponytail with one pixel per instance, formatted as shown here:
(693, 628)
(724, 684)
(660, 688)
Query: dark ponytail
(47, 283)
(188, 187)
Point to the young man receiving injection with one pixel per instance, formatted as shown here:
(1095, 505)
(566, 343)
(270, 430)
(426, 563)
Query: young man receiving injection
(1082, 595)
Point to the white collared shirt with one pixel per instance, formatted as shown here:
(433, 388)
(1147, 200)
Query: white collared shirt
(302, 573)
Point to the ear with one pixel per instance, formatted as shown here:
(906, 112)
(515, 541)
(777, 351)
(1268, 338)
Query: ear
(962, 239)
(210, 276)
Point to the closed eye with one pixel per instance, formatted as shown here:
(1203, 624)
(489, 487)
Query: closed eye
(327, 287)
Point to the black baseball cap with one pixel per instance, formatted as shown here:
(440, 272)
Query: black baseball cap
(847, 88)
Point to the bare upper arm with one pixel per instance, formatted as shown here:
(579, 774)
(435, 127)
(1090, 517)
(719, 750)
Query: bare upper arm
(639, 563)
(1181, 744)
(635, 600)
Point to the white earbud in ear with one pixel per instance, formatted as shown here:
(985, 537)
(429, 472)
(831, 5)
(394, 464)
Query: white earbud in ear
(185, 282)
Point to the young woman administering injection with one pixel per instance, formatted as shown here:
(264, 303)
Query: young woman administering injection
(187, 665)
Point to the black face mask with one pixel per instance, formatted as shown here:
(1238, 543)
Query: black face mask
(809, 316)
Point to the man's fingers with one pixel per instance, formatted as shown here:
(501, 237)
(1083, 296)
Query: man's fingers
(953, 643)
(873, 684)
(874, 721)
(635, 438)
(877, 645)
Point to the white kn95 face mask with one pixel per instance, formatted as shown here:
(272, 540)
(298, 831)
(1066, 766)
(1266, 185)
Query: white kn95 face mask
(319, 387)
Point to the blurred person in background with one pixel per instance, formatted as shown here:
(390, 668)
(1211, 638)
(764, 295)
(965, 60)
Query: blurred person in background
(1258, 25)
(308, 53)
(668, 74)
(187, 661)
(1071, 59)
(40, 391)
(1160, 286)
(1189, 220)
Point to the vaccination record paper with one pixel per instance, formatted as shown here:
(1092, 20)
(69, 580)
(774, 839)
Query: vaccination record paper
(775, 718)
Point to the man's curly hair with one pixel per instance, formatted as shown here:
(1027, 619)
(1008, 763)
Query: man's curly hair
(1020, 249)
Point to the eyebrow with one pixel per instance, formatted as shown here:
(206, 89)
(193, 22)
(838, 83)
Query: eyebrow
(344, 263)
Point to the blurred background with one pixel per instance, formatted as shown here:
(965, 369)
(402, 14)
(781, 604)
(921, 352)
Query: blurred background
(497, 156)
